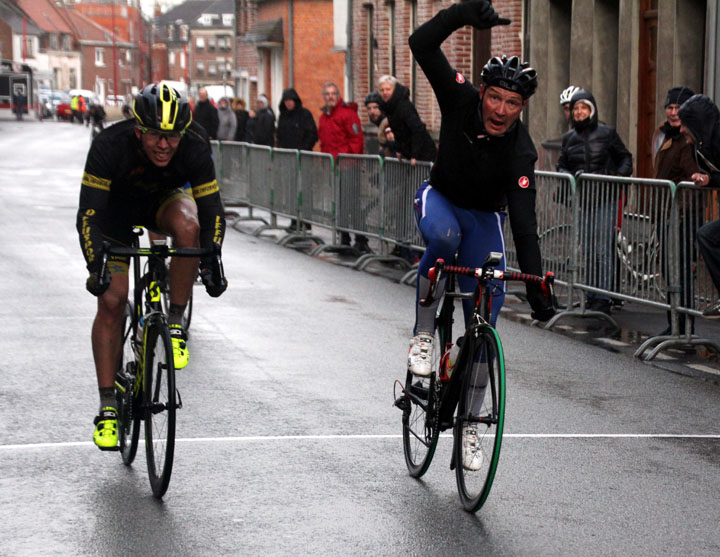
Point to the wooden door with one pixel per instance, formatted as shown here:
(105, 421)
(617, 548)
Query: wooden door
(647, 75)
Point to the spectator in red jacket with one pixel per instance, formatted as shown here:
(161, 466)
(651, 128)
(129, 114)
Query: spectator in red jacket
(340, 131)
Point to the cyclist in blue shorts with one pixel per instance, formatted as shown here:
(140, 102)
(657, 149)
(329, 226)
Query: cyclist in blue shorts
(484, 167)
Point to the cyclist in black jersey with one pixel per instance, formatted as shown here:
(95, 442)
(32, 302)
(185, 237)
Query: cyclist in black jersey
(135, 174)
(485, 166)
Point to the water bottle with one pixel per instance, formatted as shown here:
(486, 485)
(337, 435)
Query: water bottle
(139, 335)
(451, 360)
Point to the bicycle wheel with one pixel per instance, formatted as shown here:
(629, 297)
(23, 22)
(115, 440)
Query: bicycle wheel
(159, 404)
(422, 397)
(482, 409)
(127, 392)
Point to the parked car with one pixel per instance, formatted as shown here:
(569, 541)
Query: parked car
(114, 100)
(61, 103)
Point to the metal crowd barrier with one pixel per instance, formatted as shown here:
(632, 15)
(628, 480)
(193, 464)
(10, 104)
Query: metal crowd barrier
(626, 238)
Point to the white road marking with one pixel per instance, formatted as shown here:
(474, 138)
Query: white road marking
(700, 367)
(263, 438)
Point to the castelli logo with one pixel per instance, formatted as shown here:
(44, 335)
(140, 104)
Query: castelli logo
(523, 182)
(460, 78)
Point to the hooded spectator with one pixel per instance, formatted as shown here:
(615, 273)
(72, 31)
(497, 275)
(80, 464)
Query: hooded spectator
(700, 120)
(227, 121)
(591, 147)
(296, 127)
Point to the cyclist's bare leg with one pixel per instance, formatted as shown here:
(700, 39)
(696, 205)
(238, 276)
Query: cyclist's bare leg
(106, 329)
(179, 220)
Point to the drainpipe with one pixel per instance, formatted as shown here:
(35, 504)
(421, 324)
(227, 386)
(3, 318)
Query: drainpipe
(348, 53)
(291, 45)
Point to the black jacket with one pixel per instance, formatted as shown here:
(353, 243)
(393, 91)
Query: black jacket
(241, 133)
(263, 127)
(296, 128)
(412, 139)
(593, 148)
(702, 119)
(206, 115)
(473, 169)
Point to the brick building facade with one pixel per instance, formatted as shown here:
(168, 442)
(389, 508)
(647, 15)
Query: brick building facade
(304, 59)
(379, 45)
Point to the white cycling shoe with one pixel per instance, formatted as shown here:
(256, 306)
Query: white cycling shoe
(420, 355)
(472, 453)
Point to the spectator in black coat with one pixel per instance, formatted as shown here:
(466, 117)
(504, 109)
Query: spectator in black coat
(242, 116)
(296, 127)
(263, 123)
(591, 147)
(700, 119)
(412, 139)
(206, 114)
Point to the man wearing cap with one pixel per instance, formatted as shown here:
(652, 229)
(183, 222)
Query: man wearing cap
(591, 147)
(674, 160)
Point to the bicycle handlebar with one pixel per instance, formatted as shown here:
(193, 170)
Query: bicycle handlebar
(483, 274)
(164, 251)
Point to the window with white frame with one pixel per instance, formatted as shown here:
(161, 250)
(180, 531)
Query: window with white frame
(212, 69)
(171, 57)
(128, 56)
(53, 41)
(200, 68)
(228, 19)
(212, 42)
(199, 43)
(182, 60)
(99, 56)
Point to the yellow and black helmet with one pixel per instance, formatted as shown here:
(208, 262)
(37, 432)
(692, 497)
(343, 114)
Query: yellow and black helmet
(160, 107)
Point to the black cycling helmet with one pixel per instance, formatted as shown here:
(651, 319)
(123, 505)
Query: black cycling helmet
(373, 97)
(160, 107)
(511, 74)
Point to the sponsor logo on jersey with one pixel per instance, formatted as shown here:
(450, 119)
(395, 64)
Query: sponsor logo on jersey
(460, 78)
(523, 182)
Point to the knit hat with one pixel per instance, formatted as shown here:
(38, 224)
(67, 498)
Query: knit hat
(263, 99)
(678, 95)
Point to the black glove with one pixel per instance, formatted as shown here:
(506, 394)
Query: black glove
(97, 285)
(214, 284)
(542, 307)
(480, 14)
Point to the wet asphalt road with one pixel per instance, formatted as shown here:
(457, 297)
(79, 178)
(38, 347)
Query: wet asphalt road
(288, 440)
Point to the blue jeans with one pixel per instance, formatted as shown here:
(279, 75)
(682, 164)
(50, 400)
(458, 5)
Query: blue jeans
(599, 248)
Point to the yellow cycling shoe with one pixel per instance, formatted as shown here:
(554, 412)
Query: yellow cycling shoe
(181, 355)
(106, 428)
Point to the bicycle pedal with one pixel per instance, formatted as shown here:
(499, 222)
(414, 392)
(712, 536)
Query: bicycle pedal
(403, 403)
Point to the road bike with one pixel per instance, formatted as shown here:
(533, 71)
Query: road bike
(145, 378)
(467, 383)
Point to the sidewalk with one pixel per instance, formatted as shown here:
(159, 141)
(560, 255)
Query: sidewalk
(637, 322)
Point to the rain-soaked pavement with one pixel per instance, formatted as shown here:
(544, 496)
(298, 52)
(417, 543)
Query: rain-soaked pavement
(288, 442)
